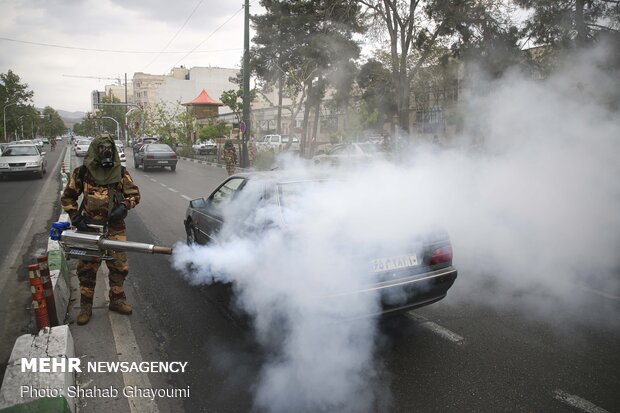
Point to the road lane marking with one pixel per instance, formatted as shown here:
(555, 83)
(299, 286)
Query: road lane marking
(172, 189)
(127, 350)
(436, 328)
(186, 197)
(163, 184)
(601, 293)
(577, 402)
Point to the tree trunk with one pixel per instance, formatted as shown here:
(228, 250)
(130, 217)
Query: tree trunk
(304, 125)
(280, 92)
(580, 24)
(315, 129)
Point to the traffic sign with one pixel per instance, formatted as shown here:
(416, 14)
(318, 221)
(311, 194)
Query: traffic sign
(242, 126)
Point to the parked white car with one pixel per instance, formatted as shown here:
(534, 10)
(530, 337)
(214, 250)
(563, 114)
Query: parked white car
(277, 143)
(207, 147)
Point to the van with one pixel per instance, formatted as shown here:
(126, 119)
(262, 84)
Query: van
(277, 143)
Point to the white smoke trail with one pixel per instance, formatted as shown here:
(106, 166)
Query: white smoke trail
(535, 208)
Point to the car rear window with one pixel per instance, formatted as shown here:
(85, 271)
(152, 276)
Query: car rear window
(159, 147)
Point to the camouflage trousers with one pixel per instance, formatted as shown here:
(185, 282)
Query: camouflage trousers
(118, 268)
(230, 168)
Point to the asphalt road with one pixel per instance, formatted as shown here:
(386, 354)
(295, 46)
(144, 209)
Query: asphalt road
(457, 355)
(461, 354)
(27, 207)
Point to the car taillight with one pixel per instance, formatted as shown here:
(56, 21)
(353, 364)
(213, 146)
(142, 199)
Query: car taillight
(442, 254)
(173, 157)
(150, 156)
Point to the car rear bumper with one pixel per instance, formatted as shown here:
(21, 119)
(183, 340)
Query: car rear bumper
(149, 163)
(400, 294)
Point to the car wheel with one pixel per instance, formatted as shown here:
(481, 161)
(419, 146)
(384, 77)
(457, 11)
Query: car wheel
(40, 174)
(191, 234)
(173, 168)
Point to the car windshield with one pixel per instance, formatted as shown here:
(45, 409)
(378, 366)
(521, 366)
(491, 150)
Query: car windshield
(83, 142)
(290, 192)
(159, 147)
(20, 151)
(369, 148)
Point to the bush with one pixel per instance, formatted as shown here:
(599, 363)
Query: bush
(264, 160)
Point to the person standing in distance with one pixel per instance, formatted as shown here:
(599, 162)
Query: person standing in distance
(230, 157)
(108, 193)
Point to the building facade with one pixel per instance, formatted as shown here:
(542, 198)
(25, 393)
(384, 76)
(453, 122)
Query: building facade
(181, 85)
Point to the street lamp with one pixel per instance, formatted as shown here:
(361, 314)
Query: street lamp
(117, 125)
(4, 118)
(19, 120)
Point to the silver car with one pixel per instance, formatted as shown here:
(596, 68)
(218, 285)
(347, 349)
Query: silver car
(81, 147)
(406, 276)
(22, 159)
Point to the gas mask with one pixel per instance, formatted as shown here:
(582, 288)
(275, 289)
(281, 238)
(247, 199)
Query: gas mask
(106, 156)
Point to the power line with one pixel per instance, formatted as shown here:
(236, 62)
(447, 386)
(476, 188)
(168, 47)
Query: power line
(175, 35)
(209, 36)
(87, 49)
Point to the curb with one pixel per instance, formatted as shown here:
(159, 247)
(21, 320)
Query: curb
(56, 342)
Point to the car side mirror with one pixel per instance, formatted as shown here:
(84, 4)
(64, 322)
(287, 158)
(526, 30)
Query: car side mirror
(198, 203)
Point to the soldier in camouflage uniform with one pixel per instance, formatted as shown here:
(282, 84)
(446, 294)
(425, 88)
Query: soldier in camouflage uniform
(108, 192)
(251, 150)
(230, 157)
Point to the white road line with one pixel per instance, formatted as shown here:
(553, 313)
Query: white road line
(436, 328)
(186, 197)
(601, 293)
(163, 184)
(172, 189)
(128, 350)
(153, 180)
(577, 402)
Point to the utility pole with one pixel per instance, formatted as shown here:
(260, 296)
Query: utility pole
(246, 85)
(125, 126)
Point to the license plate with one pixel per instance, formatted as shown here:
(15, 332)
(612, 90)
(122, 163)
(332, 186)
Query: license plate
(394, 263)
(162, 161)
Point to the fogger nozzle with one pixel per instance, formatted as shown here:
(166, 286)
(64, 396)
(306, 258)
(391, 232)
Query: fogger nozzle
(86, 245)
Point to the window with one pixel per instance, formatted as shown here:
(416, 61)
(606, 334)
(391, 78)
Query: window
(226, 191)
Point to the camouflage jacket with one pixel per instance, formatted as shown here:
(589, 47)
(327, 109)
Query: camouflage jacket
(230, 156)
(98, 200)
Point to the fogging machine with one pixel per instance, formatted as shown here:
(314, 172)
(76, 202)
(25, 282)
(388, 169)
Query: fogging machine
(94, 246)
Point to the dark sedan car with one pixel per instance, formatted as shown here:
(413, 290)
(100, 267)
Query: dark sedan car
(405, 277)
(155, 155)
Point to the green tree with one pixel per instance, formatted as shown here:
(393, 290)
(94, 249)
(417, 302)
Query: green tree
(377, 89)
(213, 129)
(417, 30)
(15, 97)
(86, 127)
(572, 22)
(52, 124)
(109, 110)
(300, 45)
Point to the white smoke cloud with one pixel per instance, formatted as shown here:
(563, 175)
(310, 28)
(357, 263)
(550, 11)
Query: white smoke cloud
(532, 211)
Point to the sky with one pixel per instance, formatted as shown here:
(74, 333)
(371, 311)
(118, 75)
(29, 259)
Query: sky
(44, 41)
